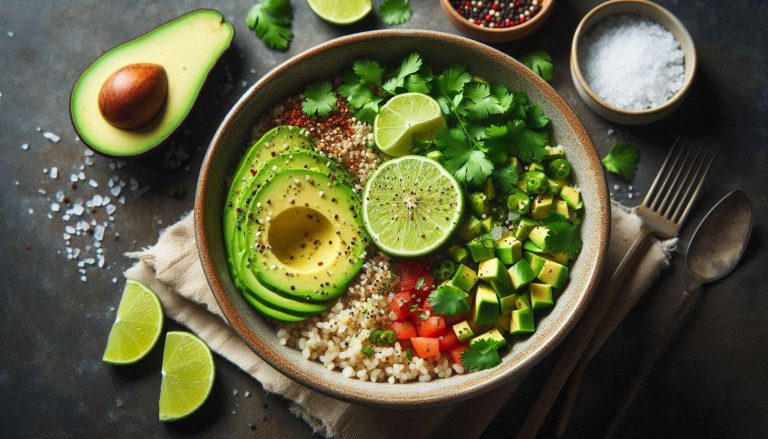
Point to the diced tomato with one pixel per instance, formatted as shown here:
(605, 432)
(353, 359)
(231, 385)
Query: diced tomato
(433, 326)
(411, 272)
(404, 330)
(400, 305)
(456, 353)
(448, 341)
(426, 347)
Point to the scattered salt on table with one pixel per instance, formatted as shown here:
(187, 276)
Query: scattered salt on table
(632, 62)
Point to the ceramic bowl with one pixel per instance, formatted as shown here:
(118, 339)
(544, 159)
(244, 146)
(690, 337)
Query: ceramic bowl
(491, 35)
(655, 13)
(389, 47)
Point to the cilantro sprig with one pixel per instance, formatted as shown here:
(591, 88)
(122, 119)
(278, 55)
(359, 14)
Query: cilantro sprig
(622, 160)
(394, 12)
(562, 236)
(449, 301)
(482, 354)
(540, 62)
(319, 99)
(271, 20)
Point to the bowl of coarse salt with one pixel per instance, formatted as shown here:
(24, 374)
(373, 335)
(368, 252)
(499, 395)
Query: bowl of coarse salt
(632, 61)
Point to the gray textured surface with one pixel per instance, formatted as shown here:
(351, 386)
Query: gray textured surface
(53, 326)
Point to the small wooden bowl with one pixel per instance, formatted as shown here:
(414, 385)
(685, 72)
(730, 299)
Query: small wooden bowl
(496, 35)
(656, 13)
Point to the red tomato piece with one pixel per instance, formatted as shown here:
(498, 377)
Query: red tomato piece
(400, 305)
(426, 347)
(448, 341)
(411, 271)
(433, 326)
(456, 353)
(404, 330)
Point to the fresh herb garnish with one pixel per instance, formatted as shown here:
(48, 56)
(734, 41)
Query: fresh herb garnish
(505, 179)
(394, 12)
(319, 99)
(367, 351)
(408, 353)
(271, 19)
(562, 236)
(382, 337)
(449, 301)
(420, 283)
(622, 160)
(482, 354)
(540, 62)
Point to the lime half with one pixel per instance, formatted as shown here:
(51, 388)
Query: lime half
(341, 11)
(405, 118)
(187, 375)
(137, 325)
(411, 205)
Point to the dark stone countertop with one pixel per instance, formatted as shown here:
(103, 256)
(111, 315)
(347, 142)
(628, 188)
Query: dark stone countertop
(53, 326)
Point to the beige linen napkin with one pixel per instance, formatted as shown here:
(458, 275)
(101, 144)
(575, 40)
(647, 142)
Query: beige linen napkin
(173, 270)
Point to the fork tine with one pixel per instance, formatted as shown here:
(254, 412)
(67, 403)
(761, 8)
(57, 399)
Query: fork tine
(701, 174)
(652, 193)
(686, 173)
(669, 174)
(676, 174)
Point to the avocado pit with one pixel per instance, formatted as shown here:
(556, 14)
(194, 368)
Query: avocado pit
(134, 95)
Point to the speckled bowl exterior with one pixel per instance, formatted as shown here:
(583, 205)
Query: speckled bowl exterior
(389, 46)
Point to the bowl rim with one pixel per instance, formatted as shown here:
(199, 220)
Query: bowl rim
(546, 6)
(576, 67)
(404, 399)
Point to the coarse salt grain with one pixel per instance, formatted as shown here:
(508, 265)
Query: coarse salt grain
(632, 62)
(53, 137)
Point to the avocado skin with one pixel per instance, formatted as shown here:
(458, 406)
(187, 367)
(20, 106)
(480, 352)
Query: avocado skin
(158, 140)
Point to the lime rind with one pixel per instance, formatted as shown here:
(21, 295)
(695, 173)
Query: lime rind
(138, 325)
(411, 206)
(188, 373)
(341, 12)
(406, 117)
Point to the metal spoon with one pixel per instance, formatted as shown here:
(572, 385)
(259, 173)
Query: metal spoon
(715, 248)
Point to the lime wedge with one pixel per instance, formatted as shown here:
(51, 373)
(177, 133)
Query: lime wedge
(137, 325)
(405, 118)
(341, 11)
(187, 375)
(411, 205)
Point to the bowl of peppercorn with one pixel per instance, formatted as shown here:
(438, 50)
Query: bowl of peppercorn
(496, 21)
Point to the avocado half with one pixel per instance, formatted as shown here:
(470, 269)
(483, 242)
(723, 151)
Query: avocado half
(187, 47)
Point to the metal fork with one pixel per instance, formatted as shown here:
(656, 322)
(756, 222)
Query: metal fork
(662, 212)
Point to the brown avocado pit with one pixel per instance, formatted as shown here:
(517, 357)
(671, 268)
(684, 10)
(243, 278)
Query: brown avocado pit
(133, 95)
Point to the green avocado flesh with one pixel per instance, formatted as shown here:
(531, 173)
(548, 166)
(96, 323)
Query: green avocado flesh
(187, 48)
(291, 225)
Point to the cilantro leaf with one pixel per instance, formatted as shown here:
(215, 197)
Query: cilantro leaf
(622, 160)
(535, 117)
(467, 164)
(410, 65)
(394, 12)
(369, 71)
(453, 80)
(502, 94)
(319, 99)
(449, 301)
(480, 103)
(505, 179)
(540, 62)
(421, 81)
(526, 143)
(369, 111)
(271, 19)
(357, 94)
(563, 237)
(367, 350)
(482, 354)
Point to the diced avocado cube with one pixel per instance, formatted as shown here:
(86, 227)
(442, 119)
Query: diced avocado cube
(470, 228)
(528, 245)
(464, 278)
(541, 296)
(538, 236)
(536, 166)
(493, 272)
(542, 206)
(487, 224)
(523, 228)
(478, 202)
(486, 305)
(523, 301)
(561, 207)
(556, 152)
(554, 274)
(570, 195)
(536, 261)
(463, 331)
(489, 190)
(458, 253)
(481, 248)
(493, 335)
(521, 321)
(514, 301)
(560, 258)
(435, 155)
(521, 274)
(509, 250)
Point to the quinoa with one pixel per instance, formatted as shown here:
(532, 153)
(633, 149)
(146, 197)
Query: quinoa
(337, 337)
